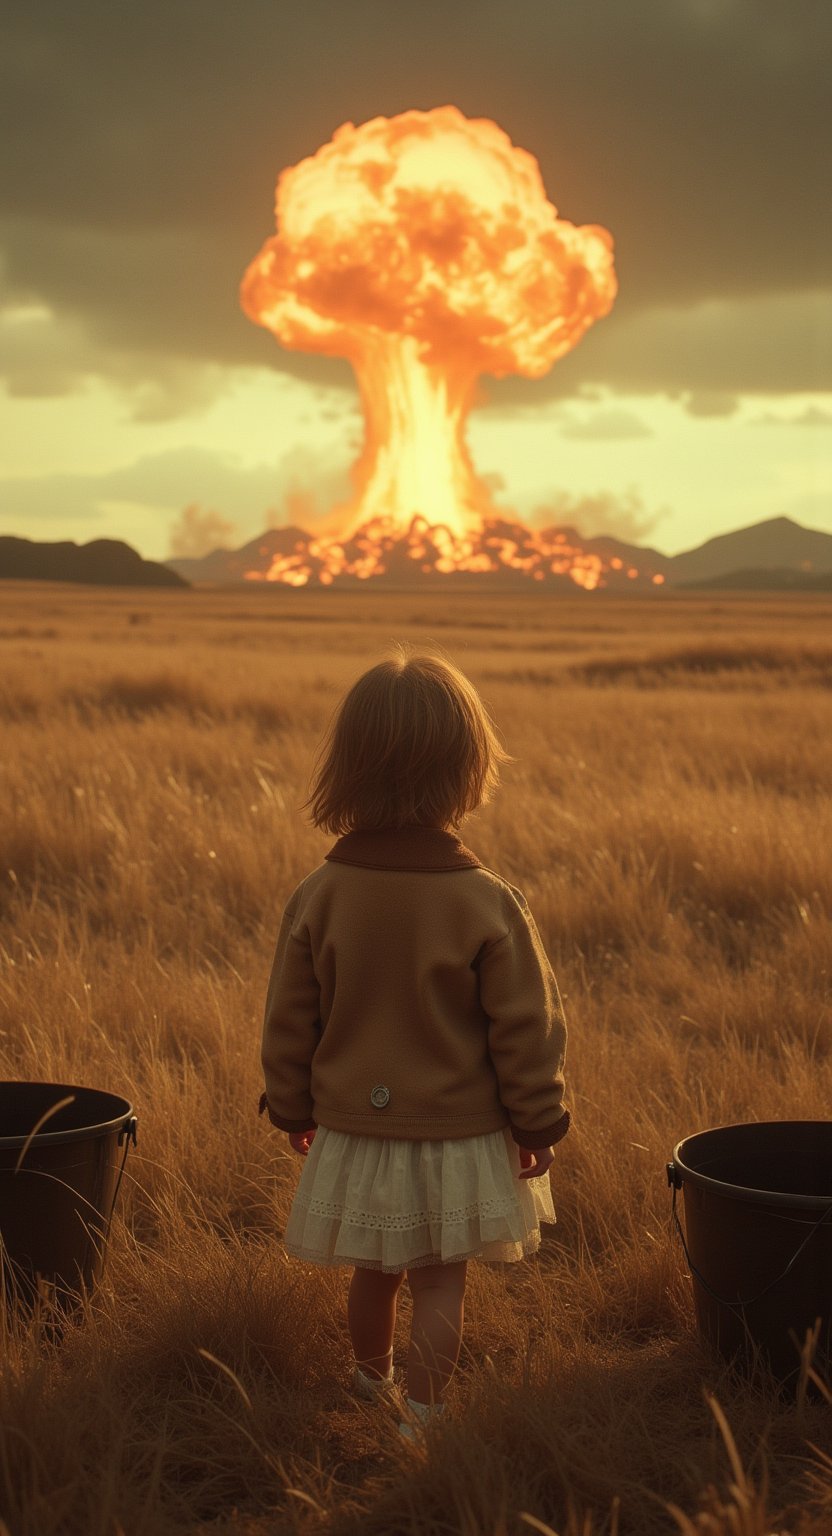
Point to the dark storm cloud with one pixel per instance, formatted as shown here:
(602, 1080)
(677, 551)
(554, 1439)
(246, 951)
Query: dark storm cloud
(145, 142)
(710, 352)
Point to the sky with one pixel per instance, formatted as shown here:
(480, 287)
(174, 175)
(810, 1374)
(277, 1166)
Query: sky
(142, 145)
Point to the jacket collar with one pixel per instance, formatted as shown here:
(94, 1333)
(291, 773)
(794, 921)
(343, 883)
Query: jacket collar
(403, 848)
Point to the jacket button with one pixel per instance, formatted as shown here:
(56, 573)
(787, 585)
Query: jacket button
(380, 1096)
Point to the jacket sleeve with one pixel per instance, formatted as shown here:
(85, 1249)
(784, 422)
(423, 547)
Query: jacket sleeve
(526, 1031)
(291, 1029)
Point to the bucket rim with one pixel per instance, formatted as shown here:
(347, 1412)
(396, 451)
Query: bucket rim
(743, 1192)
(75, 1133)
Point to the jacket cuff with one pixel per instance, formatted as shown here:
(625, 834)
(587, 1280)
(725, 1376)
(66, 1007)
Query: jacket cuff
(293, 1127)
(534, 1140)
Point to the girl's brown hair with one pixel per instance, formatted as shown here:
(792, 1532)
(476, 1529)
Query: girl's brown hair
(411, 744)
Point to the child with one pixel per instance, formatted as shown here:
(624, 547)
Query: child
(414, 1038)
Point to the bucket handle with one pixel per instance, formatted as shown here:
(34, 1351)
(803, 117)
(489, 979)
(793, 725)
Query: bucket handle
(127, 1134)
(675, 1180)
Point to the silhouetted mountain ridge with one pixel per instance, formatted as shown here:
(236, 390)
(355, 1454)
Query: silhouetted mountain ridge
(776, 555)
(224, 565)
(103, 562)
(777, 544)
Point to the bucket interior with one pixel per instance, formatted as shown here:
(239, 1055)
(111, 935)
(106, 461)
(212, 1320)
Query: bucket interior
(782, 1157)
(22, 1104)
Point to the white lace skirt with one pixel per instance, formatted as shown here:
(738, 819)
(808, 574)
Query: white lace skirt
(393, 1205)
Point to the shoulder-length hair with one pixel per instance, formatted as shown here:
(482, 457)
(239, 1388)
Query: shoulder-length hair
(411, 744)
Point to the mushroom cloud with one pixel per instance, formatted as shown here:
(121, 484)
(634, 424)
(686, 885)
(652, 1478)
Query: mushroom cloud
(423, 248)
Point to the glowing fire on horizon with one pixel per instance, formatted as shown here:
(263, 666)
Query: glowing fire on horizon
(423, 248)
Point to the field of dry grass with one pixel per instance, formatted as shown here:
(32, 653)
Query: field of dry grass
(667, 815)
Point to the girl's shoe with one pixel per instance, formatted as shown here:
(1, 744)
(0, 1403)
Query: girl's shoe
(373, 1388)
(418, 1416)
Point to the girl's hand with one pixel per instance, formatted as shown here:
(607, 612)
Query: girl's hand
(301, 1141)
(534, 1164)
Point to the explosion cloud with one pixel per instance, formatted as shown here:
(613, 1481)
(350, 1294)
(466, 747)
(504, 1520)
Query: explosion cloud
(423, 248)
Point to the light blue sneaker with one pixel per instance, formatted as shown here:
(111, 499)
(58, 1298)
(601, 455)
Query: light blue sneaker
(418, 1415)
(374, 1388)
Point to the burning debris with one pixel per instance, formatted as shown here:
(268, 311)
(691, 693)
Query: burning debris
(499, 548)
(423, 248)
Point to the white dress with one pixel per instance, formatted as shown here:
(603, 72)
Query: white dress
(387, 1204)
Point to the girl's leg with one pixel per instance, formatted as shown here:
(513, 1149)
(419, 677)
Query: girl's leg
(371, 1314)
(438, 1292)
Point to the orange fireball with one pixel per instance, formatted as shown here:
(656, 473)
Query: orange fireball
(423, 248)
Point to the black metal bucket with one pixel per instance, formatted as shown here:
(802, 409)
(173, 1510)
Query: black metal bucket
(60, 1171)
(758, 1239)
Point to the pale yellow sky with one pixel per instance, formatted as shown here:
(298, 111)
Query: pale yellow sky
(81, 467)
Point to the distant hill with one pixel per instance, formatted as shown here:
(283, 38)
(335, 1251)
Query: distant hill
(641, 555)
(777, 544)
(103, 562)
(226, 565)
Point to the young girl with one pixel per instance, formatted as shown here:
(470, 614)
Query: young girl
(414, 1038)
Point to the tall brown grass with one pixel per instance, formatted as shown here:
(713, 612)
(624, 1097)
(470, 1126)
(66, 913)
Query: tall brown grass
(668, 817)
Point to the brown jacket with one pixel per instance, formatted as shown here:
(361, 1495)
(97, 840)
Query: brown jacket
(411, 997)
